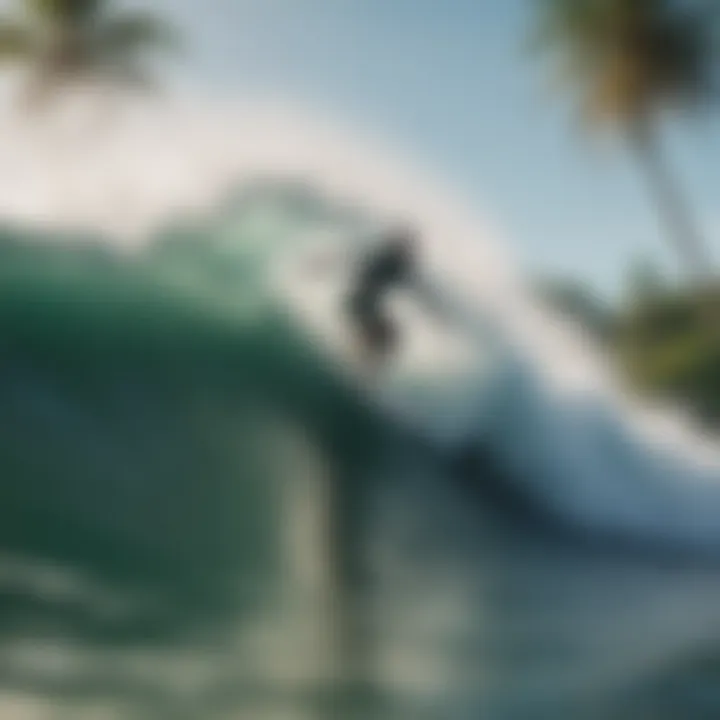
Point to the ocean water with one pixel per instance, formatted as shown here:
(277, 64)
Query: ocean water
(208, 513)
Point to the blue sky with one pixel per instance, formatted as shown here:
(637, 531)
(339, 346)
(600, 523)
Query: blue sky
(450, 81)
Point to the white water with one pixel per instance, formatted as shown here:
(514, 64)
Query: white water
(510, 373)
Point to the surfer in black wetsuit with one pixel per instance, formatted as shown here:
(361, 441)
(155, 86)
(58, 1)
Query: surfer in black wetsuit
(392, 265)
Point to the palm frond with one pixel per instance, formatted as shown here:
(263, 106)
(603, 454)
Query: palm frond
(16, 41)
(129, 34)
(628, 58)
(689, 64)
(64, 11)
(565, 25)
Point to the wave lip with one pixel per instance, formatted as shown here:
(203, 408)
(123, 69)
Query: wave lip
(508, 376)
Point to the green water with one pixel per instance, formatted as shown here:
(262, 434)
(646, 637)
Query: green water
(199, 518)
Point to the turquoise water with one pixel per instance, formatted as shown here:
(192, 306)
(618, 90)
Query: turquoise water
(201, 518)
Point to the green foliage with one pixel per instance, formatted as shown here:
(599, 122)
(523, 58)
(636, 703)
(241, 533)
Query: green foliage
(658, 334)
(128, 34)
(666, 349)
(628, 59)
(70, 41)
(64, 10)
(16, 42)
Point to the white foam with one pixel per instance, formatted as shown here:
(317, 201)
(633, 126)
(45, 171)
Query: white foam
(573, 435)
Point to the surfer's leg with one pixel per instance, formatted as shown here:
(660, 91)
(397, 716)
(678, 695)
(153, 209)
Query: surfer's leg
(362, 314)
(376, 335)
(379, 337)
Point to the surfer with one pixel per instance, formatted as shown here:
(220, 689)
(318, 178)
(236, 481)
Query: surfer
(389, 267)
(375, 274)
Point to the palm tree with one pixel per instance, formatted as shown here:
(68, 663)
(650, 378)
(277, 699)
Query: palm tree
(628, 62)
(64, 42)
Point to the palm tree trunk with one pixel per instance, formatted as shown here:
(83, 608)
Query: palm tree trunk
(682, 232)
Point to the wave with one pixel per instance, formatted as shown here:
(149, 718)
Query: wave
(141, 368)
(150, 418)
